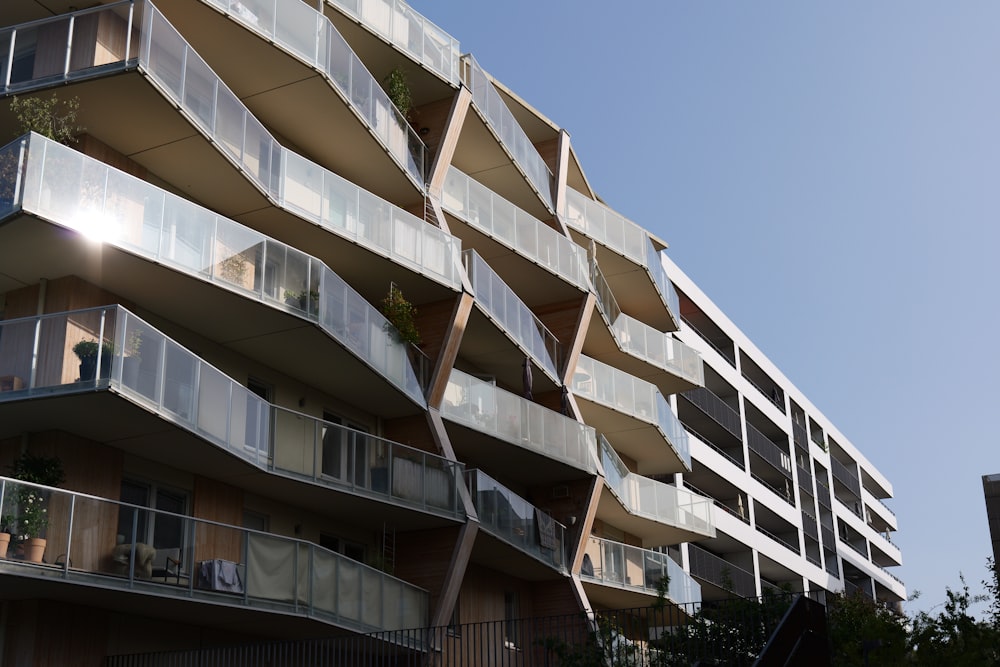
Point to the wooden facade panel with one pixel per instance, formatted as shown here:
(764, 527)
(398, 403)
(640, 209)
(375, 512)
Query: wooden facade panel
(223, 503)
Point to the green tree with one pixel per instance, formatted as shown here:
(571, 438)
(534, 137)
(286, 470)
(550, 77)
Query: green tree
(49, 117)
(953, 636)
(857, 624)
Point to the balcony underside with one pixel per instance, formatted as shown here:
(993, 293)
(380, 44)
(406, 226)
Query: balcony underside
(154, 134)
(501, 556)
(504, 460)
(31, 250)
(653, 533)
(493, 352)
(601, 344)
(135, 430)
(380, 58)
(20, 581)
(610, 596)
(632, 286)
(481, 156)
(292, 99)
(533, 284)
(150, 130)
(632, 437)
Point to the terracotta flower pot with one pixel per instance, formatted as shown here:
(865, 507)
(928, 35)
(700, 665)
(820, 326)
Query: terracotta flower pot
(4, 544)
(34, 547)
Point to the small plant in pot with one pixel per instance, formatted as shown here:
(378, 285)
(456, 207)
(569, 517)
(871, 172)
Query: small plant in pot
(401, 315)
(32, 502)
(86, 350)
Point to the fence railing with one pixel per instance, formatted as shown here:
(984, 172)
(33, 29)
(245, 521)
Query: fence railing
(716, 570)
(117, 545)
(766, 448)
(843, 474)
(727, 632)
(718, 410)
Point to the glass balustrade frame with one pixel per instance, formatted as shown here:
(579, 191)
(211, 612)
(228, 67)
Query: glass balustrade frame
(616, 389)
(512, 137)
(480, 207)
(310, 36)
(623, 236)
(615, 564)
(83, 194)
(117, 350)
(290, 181)
(503, 305)
(483, 406)
(521, 524)
(655, 500)
(205, 560)
(399, 24)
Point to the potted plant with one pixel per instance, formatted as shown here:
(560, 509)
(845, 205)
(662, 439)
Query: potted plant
(86, 350)
(307, 300)
(6, 521)
(131, 359)
(401, 315)
(32, 502)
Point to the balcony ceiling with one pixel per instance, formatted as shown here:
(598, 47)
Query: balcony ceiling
(479, 155)
(653, 533)
(609, 596)
(632, 286)
(493, 352)
(636, 439)
(152, 602)
(504, 461)
(497, 554)
(292, 99)
(31, 250)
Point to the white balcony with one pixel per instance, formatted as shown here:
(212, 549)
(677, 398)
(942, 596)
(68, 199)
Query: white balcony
(621, 576)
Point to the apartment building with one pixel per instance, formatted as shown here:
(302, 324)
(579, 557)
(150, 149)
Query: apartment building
(193, 300)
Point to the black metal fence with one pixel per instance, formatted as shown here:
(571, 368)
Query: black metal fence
(731, 632)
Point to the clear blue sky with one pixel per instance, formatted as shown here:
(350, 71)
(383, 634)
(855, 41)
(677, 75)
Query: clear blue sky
(827, 173)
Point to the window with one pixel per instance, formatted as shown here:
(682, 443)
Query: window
(159, 530)
(256, 521)
(345, 452)
(348, 548)
(511, 614)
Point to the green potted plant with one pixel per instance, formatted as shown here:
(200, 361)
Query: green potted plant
(86, 351)
(398, 91)
(32, 501)
(401, 316)
(307, 300)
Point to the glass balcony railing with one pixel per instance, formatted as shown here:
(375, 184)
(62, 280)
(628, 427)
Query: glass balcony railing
(654, 500)
(128, 547)
(110, 347)
(493, 215)
(289, 180)
(623, 236)
(625, 566)
(487, 408)
(311, 37)
(398, 23)
(499, 117)
(68, 188)
(620, 391)
(501, 303)
(643, 341)
(514, 520)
